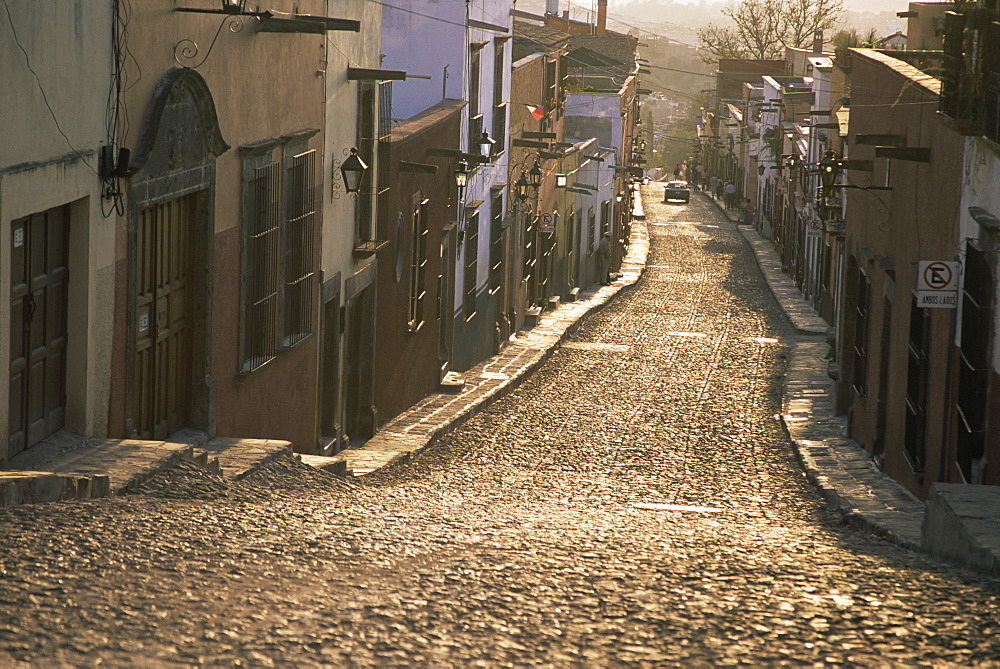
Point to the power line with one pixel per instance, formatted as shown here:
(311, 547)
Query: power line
(41, 89)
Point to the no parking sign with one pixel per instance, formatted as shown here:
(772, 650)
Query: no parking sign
(937, 284)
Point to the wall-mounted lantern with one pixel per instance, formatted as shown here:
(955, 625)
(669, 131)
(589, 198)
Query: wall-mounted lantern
(462, 176)
(233, 6)
(536, 175)
(829, 169)
(486, 145)
(521, 187)
(353, 170)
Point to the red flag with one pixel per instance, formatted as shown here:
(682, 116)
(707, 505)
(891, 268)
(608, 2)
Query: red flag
(537, 113)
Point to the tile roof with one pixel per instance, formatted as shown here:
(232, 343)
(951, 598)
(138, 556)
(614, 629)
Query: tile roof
(616, 47)
(530, 38)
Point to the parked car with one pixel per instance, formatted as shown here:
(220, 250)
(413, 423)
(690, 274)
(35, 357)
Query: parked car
(677, 190)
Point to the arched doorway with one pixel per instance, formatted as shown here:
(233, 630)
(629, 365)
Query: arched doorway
(170, 253)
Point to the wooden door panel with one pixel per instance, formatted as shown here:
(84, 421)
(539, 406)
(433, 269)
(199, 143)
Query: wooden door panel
(163, 305)
(38, 329)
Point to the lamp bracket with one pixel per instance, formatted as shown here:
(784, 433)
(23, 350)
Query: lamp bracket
(186, 50)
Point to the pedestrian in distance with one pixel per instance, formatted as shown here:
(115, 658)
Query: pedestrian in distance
(730, 195)
(746, 212)
(604, 259)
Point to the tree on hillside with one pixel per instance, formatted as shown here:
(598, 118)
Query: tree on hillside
(763, 28)
(804, 18)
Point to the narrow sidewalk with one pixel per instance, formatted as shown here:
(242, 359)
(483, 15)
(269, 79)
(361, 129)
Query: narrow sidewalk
(959, 523)
(438, 414)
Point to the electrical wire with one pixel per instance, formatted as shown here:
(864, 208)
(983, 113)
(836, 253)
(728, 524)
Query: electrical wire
(41, 89)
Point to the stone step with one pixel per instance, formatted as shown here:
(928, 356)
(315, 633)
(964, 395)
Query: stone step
(238, 457)
(335, 464)
(28, 487)
(962, 524)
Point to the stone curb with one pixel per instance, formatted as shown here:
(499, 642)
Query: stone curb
(958, 523)
(838, 466)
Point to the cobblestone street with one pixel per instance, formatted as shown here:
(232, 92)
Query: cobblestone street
(634, 502)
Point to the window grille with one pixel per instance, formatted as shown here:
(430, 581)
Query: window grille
(418, 266)
(498, 71)
(530, 256)
(861, 335)
(471, 265)
(384, 166)
(550, 101)
(499, 106)
(496, 240)
(475, 132)
(262, 259)
(299, 247)
(970, 76)
(474, 76)
(974, 357)
(499, 128)
(916, 385)
(991, 80)
(364, 231)
(591, 231)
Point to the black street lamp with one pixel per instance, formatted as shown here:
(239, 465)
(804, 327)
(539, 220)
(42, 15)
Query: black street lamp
(353, 171)
(536, 175)
(462, 176)
(486, 145)
(521, 186)
(829, 170)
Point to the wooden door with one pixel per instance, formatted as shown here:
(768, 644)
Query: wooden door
(164, 290)
(39, 285)
(359, 367)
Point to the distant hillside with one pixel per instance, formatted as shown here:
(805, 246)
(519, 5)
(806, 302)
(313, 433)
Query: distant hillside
(680, 20)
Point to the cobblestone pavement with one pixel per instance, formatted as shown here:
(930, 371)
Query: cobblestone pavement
(635, 502)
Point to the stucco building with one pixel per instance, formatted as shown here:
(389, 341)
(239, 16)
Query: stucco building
(58, 218)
